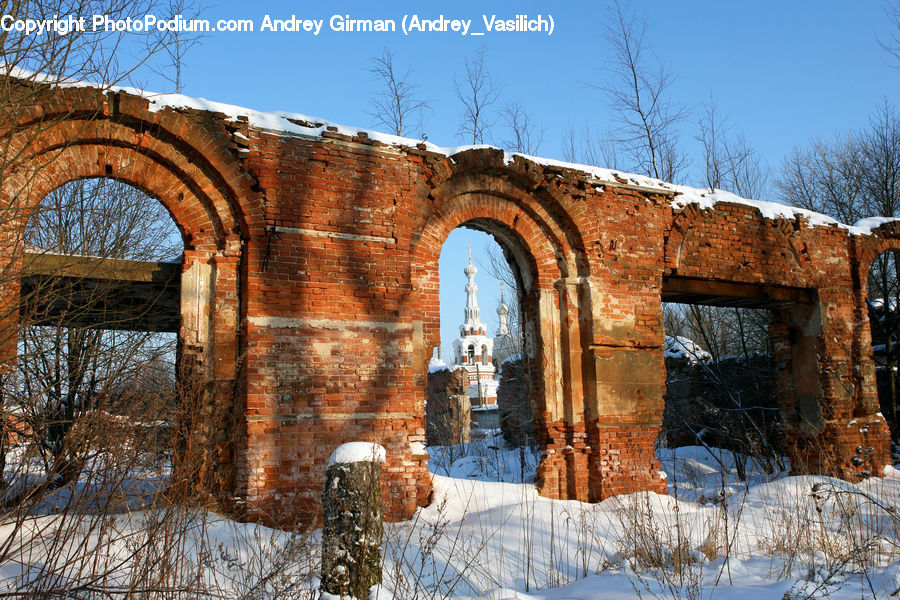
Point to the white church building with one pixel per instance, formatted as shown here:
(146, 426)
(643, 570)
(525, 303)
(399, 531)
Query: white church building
(473, 351)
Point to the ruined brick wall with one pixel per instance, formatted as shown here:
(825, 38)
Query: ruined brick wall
(516, 416)
(186, 161)
(310, 298)
(448, 410)
(703, 400)
(824, 373)
(333, 351)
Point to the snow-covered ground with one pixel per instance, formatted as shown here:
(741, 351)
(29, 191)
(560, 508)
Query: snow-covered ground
(487, 459)
(713, 536)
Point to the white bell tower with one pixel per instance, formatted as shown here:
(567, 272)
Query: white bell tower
(473, 349)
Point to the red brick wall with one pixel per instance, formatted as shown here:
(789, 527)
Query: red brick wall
(316, 307)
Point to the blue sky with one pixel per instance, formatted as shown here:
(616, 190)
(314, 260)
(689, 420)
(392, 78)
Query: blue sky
(784, 72)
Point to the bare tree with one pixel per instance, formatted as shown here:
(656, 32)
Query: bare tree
(66, 372)
(892, 45)
(97, 56)
(103, 218)
(719, 392)
(397, 105)
(70, 464)
(174, 45)
(639, 95)
(721, 331)
(730, 162)
(826, 178)
(499, 268)
(33, 71)
(525, 135)
(477, 91)
(856, 175)
(591, 148)
(880, 145)
(571, 145)
(83, 404)
(751, 180)
(89, 405)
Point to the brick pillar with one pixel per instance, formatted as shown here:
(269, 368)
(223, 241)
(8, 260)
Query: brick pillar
(9, 330)
(207, 367)
(625, 384)
(627, 422)
(560, 427)
(9, 310)
(563, 472)
(225, 410)
(829, 424)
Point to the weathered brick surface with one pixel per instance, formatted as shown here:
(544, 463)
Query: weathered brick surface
(448, 411)
(310, 299)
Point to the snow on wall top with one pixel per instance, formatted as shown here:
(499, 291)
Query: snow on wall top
(769, 210)
(305, 125)
(352, 452)
(871, 223)
(682, 195)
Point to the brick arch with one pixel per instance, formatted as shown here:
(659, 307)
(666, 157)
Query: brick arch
(87, 112)
(199, 230)
(469, 191)
(531, 235)
(537, 193)
(202, 187)
(534, 254)
(885, 237)
(184, 162)
(681, 224)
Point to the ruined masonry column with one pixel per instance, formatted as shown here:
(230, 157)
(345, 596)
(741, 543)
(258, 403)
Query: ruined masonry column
(624, 389)
(9, 310)
(13, 200)
(353, 524)
(10, 301)
(195, 461)
(563, 472)
(224, 410)
(828, 427)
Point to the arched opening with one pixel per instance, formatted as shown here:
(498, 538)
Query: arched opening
(93, 393)
(883, 302)
(201, 198)
(542, 243)
(479, 344)
(93, 320)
